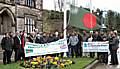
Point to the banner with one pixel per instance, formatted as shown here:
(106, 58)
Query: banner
(33, 49)
(95, 46)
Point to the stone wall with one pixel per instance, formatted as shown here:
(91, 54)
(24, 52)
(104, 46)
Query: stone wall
(52, 21)
(19, 11)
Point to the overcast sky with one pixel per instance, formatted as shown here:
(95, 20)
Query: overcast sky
(102, 4)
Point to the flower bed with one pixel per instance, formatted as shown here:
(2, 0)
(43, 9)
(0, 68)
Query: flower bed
(47, 62)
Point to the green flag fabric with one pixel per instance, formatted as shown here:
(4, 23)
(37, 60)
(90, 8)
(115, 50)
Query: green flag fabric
(83, 19)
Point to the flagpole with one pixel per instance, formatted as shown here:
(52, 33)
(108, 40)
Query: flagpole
(65, 20)
(65, 24)
(91, 13)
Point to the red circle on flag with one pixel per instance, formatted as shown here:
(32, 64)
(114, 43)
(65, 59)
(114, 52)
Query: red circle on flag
(89, 20)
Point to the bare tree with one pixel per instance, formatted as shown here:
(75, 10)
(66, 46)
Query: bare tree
(58, 4)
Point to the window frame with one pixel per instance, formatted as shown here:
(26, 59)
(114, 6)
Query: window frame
(29, 24)
(30, 3)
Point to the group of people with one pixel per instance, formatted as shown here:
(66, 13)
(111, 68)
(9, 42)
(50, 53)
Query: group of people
(111, 37)
(16, 43)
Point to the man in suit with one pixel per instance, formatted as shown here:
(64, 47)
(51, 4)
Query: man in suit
(16, 46)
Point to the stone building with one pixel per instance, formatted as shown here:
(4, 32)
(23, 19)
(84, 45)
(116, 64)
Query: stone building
(18, 15)
(52, 21)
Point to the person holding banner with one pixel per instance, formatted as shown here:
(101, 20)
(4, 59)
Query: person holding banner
(104, 54)
(56, 37)
(45, 38)
(97, 37)
(73, 42)
(61, 37)
(38, 38)
(90, 39)
(79, 45)
(31, 37)
(84, 39)
(51, 38)
(69, 48)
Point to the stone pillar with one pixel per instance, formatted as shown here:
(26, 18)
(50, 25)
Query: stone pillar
(0, 23)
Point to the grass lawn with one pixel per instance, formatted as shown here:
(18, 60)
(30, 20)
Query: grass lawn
(79, 64)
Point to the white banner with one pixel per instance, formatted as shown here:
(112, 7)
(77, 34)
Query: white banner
(33, 49)
(95, 46)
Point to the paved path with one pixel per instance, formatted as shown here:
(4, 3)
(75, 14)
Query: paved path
(102, 66)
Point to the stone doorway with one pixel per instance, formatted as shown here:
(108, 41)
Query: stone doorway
(6, 21)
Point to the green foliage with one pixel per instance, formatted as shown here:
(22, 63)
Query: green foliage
(79, 64)
(113, 20)
(51, 19)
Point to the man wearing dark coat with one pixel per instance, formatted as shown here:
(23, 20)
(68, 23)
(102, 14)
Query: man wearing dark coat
(38, 38)
(115, 46)
(7, 48)
(79, 45)
(17, 46)
(97, 37)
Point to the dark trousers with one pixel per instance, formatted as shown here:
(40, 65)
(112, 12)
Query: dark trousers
(104, 56)
(7, 56)
(114, 59)
(22, 54)
(110, 48)
(69, 51)
(57, 54)
(98, 55)
(17, 54)
(92, 54)
(74, 51)
(79, 50)
(62, 54)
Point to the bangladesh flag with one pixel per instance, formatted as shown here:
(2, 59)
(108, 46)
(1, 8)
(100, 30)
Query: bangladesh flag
(83, 19)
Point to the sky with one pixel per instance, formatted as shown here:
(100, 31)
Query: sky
(102, 4)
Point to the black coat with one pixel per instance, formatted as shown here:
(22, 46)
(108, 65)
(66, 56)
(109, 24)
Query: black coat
(31, 39)
(97, 38)
(115, 43)
(56, 38)
(44, 39)
(6, 43)
(16, 42)
(50, 39)
(39, 39)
